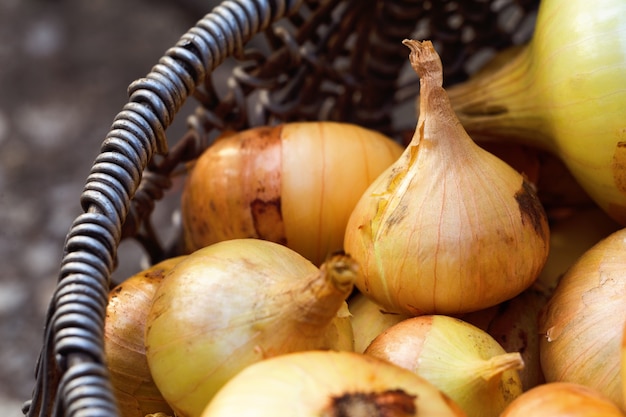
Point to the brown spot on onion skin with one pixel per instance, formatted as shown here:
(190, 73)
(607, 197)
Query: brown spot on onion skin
(531, 209)
(391, 403)
(268, 221)
(618, 166)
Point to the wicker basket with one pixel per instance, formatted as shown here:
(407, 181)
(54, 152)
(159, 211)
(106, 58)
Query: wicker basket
(292, 60)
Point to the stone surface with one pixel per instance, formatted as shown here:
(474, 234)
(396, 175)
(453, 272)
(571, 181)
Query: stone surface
(64, 69)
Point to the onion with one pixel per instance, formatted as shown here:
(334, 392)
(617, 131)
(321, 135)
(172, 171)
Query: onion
(448, 228)
(562, 399)
(328, 384)
(460, 359)
(563, 92)
(583, 320)
(237, 302)
(369, 320)
(125, 352)
(293, 184)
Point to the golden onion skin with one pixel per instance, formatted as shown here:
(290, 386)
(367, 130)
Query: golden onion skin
(332, 384)
(237, 302)
(124, 347)
(581, 325)
(293, 184)
(449, 228)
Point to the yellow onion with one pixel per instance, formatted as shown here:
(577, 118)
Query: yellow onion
(583, 320)
(514, 325)
(562, 399)
(563, 92)
(236, 302)
(293, 184)
(460, 359)
(329, 384)
(448, 228)
(124, 348)
(369, 320)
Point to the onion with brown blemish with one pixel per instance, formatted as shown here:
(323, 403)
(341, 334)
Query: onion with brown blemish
(448, 228)
(293, 184)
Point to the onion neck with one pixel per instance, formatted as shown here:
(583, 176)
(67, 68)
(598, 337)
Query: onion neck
(317, 302)
(495, 366)
(504, 103)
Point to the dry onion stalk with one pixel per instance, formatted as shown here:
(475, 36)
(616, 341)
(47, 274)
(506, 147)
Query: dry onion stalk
(449, 228)
(463, 361)
(237, 302)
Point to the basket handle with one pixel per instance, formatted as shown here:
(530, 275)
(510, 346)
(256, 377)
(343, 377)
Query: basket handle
(71, 376)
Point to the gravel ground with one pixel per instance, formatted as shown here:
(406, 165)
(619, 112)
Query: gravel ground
(64, 69)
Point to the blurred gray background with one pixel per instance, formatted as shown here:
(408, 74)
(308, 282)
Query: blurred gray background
(64, 69)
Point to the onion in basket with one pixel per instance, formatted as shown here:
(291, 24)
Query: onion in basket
(125, 353)
(329, 384)
(237, 302)
(293, 184)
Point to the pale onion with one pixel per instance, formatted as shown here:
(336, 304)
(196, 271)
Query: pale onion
(448, 228)
(369, 320)
(562, 399)
(563, 92)
(460, 359)
(236, 302)
(583, 320)
(513, 324)
(294, 184)
(329, 384)
(124, 348)
(572, 235)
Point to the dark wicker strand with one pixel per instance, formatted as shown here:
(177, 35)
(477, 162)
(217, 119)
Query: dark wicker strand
(71, 366)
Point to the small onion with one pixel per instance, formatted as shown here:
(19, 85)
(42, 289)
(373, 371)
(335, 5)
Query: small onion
(293, 184)
(124, 348)
(237, 302)
(329, 384)
(460, 359)
(583, 320)
(562, 399)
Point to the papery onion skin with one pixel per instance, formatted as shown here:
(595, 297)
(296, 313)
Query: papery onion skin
(562, 399)
(581, 324)
(294, 184)
(329, 384)
(448, 228)
(563, 93)
(237, 302)
(460, 359)
(125, 353)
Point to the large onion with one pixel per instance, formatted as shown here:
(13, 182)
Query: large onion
(294, 184)
(329, 384)
(448, 228)
(582, 323)
(237, 302)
